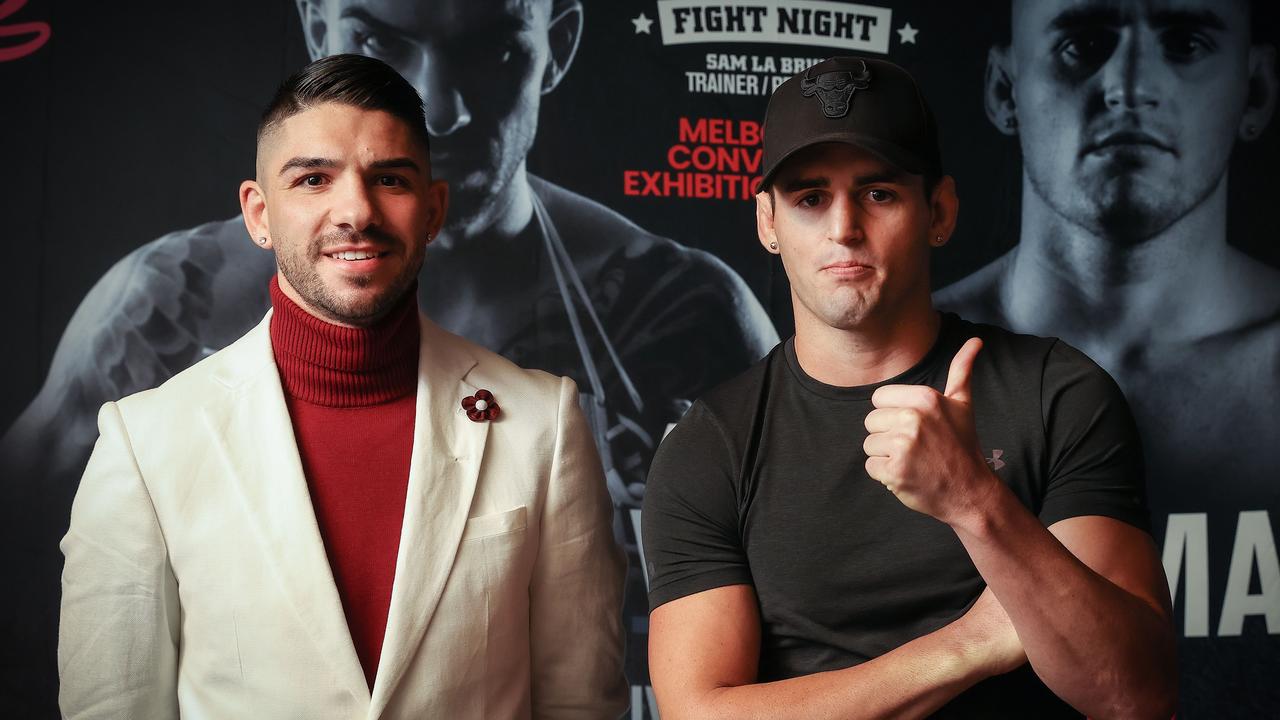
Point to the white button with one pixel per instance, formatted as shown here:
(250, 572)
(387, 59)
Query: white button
(482, 405)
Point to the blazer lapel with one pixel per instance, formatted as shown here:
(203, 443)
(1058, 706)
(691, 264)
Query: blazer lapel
(447, 449)
(255, 437)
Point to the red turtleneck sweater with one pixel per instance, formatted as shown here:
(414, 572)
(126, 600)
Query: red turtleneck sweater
(351, 394)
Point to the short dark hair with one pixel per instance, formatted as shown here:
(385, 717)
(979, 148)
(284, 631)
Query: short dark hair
(356, 80)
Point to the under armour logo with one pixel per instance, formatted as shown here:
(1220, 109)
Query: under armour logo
(994, 461)
(835, 88)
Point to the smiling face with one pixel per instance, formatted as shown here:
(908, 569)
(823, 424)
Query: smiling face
(1128, 109)
(346, 199)
(480, 67)
(854, 235)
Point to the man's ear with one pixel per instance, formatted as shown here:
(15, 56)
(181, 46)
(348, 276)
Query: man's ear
(438, 207)
(564, 30)
(764, 222)
(944, 208)
(315, 28)
(253, 205)
(1261, 101)
(997, 92)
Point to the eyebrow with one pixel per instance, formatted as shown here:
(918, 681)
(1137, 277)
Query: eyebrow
(804, 183)
(307, 163)
(400, 162)
(379, 25)
(810, 183)
(1086, 17)
(1188, 18)
(887, 176)
(311, 163)
(506, 25)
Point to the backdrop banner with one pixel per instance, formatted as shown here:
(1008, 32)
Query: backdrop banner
(629, 132)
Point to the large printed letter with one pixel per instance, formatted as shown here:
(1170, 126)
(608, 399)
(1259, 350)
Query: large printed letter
(1187, 535)
(1254, 542)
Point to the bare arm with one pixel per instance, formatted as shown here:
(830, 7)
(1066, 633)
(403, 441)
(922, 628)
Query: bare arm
(132, 331)
(704, 648)
(1087, 596)
(1111, 654)
(158, 310)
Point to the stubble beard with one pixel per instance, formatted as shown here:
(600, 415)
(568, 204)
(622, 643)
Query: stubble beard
(301, 274)
(1122, 205)
(469, 207)
(475, 206)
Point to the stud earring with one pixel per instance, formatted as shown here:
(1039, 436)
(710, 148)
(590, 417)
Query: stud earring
(773, 244)
(262, 241)
(1010, 122)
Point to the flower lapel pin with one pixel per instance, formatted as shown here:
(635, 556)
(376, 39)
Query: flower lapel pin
(481, 406)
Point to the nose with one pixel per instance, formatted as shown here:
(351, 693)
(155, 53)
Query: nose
(353, 205)
(1131, 77)
(845, 222)
(446, 110)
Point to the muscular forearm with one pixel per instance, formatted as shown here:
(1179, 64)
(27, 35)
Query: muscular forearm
(1106, 651)
(911, 681)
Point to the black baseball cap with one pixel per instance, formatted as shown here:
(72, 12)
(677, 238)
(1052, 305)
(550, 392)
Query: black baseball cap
(870, 103)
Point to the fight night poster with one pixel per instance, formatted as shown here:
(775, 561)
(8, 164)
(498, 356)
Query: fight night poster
(126, 128)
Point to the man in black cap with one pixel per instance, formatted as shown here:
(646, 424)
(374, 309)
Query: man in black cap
(785, 581)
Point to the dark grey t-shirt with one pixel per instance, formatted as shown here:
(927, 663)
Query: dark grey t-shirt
(763, 483)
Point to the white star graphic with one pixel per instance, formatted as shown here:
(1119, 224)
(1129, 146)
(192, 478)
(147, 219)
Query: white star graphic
(906, 34)
(642, 24)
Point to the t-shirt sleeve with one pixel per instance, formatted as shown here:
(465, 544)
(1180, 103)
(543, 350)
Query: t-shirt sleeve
(1095, 455)
(689, 524)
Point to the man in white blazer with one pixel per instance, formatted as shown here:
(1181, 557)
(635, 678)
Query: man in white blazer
(204, 575)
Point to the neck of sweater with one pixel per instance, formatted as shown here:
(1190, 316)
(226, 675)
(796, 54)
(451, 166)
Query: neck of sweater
(335, 366)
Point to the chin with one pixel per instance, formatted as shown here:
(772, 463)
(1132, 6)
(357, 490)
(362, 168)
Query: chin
(849, 317)
(1125, 207)
(362, 307)
(468, 208)
(1131, 219)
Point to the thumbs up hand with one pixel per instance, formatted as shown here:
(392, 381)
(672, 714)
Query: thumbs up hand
(923, 447)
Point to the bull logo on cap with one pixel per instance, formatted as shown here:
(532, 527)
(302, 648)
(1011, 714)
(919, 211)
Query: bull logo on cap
(835, 88)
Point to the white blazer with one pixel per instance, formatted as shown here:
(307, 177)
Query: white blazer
(196, 583)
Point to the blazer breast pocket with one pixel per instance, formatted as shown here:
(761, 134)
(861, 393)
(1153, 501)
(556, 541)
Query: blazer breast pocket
(497, 546)
(484, 526)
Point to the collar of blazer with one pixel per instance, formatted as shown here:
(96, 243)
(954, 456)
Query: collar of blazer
(447, 448)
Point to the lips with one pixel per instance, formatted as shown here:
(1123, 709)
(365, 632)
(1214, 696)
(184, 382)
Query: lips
(459, 158)
(1127, 139)
(448, 155)
(351, 255)
(848, 269)
(356, 255)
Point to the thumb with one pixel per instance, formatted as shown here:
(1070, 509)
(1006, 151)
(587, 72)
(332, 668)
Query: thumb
(961, 370)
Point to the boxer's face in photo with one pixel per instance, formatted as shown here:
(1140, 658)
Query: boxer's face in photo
(481, 67)
(1127, 110)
